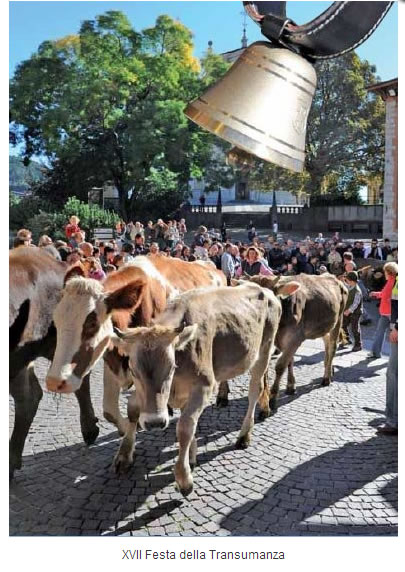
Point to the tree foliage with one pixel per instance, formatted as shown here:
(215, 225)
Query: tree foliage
(107, 105)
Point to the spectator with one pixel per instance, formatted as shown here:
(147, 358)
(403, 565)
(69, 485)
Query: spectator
(139, 246)
(128, 250)
(358, 250)
(353, 311)
(109, 255)
(214, 256)
(302, 259)
(386, 249)
(393, 257)
(86, 248)
(373, 251)
(223, 232)
(182, 229)
(334, 261)
(391, 410)
(252, 264)
(154, 249)
(72, 227)
(276, 257)
(149, 232)
(118, 261)
(76, 239)
(252, 234)
(44, 240)
(185, 253)
(228, 264)
(391, 272)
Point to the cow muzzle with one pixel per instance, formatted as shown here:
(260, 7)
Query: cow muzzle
(62, 385)
(154, 420)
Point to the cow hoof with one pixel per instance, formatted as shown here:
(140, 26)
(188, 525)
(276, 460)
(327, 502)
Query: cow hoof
(290, 390)
(170, 411)
(90, 436)
(242, 442)
(273, 405)
(186, 491)
(122, 464)
(325, 382)
(263, 415)
(222, 402)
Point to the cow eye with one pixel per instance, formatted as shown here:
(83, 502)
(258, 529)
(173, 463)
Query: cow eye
(91, 326)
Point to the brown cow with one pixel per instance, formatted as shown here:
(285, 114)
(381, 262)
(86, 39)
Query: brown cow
(36, 282)
(182, 357)
(133, 296)
(314, 311)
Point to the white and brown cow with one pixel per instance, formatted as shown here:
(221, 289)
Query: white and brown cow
(36, 283)
(204, 337)
(133, 296)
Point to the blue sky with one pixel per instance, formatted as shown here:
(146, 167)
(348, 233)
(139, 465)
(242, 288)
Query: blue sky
(33, 22)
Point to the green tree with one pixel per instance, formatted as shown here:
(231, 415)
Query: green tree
(107, 105)
(345, 134)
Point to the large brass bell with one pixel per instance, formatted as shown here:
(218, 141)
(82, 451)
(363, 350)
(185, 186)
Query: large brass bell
(261, 105)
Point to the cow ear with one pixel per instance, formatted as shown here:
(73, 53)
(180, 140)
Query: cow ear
(126, 298)
(287, 289)
(73, 272)
(188, 334)
(119, 343)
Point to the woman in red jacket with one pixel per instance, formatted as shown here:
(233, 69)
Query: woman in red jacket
(390, 271)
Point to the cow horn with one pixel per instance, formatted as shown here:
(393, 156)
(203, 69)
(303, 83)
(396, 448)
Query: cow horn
(118, 332)
(275, 280)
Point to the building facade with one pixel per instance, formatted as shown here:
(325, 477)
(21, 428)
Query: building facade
(388, 90)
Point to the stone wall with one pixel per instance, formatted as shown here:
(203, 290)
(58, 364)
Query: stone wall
(390, 217)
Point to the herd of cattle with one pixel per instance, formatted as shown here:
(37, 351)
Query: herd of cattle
(172, 329)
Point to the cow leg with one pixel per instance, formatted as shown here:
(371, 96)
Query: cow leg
(283, 361)
(185, 430)
(330, 341)
(111, 395)
(27, 393)
(125, 455)
(223, 392)
(264, 398)
(193, 453)
(88, 421)
(256, 388)
(290, 378)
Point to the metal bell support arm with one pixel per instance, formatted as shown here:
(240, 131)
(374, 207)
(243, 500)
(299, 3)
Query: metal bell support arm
(339, 29)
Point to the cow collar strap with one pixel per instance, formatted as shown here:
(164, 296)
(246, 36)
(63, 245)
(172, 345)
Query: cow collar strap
(339, 29)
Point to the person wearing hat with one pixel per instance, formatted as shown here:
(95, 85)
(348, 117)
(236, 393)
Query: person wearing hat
(353, 311)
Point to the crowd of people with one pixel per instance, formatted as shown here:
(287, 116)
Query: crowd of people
(254, 256)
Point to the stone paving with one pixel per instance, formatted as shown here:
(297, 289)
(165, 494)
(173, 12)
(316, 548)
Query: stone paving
(317, 467)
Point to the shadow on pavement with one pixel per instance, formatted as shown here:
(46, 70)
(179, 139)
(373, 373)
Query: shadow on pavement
(289, 506)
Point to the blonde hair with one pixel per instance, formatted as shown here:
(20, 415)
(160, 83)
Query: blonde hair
(45, 240)
(391, 268)
(74, 219)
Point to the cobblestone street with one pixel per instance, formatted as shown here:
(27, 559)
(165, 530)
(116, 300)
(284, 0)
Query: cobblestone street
(317, 467)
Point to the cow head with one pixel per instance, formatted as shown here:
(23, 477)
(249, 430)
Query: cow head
(151, 354)
(83, 325)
